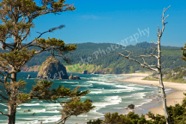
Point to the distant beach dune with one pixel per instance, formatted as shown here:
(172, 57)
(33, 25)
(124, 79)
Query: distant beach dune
(172, 98)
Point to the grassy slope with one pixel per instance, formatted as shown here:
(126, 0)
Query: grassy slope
(175, 75)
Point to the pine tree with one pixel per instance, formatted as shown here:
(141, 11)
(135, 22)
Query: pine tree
(16, 20)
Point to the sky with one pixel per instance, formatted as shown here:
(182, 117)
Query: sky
(120, 21)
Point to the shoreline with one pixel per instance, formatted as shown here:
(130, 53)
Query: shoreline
(174, 97)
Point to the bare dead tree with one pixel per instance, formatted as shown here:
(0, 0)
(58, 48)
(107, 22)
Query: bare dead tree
(156, 68)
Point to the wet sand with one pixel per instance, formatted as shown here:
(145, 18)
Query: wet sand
(176, 95)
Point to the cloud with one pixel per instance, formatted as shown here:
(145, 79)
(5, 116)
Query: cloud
(90, 17)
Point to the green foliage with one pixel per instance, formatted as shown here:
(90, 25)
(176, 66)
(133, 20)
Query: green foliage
(104, 58)
(156, 119)
(81, 67)
(184, 53)
(55, 44)
(98, 121)
(172, 75)
(15, 58)
(76, 107)
(115, 118)
(42, 90)
(50, 42)
(22, 98)
(178, 112)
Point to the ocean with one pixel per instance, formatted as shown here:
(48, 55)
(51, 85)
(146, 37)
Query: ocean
(108, 93)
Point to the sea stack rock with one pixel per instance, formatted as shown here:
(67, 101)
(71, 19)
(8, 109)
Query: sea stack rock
(85, 72)
(52, 69)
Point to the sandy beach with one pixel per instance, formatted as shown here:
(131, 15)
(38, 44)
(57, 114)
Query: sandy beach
(172, 98)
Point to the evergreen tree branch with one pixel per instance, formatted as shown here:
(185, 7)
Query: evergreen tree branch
(5, 45)
(41, 34)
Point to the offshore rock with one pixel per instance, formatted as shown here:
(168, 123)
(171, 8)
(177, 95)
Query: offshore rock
(72, 77)
(85, 72)
(52, 69)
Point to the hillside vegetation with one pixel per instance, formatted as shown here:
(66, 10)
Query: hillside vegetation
(81, 67)
(103, 57)
(174, 75)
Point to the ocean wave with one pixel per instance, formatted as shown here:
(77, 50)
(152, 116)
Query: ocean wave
(51, 104)
(101, 82)
(129, 87)
(113, 99)
(105, 86)
(139, 95)
(18, 108)
(52, 111)
(68, 82)
(43, 119)
(52, 108)
(30, 104)
(110, 91)
(109, 100)
(37, 110)
(84, 85)
(126, 97)
(3, 104)
(96, 91)
(144, 102)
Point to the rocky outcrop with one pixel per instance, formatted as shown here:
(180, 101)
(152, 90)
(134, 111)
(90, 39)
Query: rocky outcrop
(52, 69)
(72, 77)
(85, 72)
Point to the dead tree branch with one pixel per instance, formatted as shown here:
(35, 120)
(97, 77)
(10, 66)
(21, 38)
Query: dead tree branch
(157, 68)
(143, 65)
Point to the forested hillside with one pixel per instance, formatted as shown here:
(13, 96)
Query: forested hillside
(104, 58)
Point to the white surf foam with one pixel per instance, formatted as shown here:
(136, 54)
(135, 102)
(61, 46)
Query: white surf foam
(144, 102)
(51, 104)
(30, 104)
(84, 85)
(38, 110)
(3, 104)
(139, 95)
(131, 88)
(109, 100)
(43, 119)
(96, 91)
(110, 91)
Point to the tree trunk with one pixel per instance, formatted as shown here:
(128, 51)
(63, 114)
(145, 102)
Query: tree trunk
(12, 113)
(161, 85)
(164, 100)
(12, 101)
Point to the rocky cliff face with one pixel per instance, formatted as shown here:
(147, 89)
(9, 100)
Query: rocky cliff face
(52, 69)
